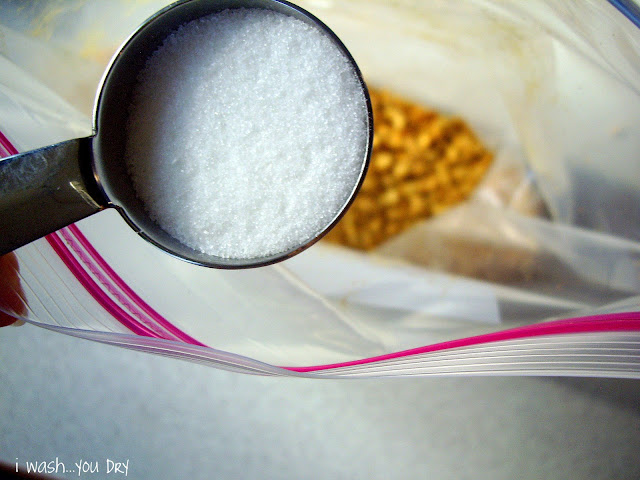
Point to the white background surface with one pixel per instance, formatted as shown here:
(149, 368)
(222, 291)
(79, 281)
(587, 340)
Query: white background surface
(74, 399)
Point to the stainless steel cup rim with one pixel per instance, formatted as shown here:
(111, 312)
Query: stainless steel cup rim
(101, 169)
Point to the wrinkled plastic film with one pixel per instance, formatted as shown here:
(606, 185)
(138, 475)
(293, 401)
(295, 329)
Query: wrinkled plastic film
(552, 227)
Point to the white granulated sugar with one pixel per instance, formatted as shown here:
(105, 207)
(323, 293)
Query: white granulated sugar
(247, 133)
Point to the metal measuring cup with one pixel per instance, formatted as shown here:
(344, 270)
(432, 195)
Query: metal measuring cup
(46, 189)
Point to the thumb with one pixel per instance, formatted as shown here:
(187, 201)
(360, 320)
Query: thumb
(12, 304)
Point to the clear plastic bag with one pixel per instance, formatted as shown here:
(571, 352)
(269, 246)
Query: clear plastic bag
(538, 273)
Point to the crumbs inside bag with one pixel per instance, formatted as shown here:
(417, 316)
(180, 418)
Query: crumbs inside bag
(422, 162)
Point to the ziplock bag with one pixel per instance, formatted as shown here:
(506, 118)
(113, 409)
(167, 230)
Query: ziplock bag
(538, 273)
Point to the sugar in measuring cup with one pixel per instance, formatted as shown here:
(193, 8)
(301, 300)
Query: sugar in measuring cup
(230, 134)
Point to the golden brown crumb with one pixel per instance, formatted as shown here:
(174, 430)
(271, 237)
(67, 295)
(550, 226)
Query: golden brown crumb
(421, 164)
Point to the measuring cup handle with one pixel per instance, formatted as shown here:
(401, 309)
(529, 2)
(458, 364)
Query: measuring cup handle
(44, 190)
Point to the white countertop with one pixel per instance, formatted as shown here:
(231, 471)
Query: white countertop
(77, 400)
